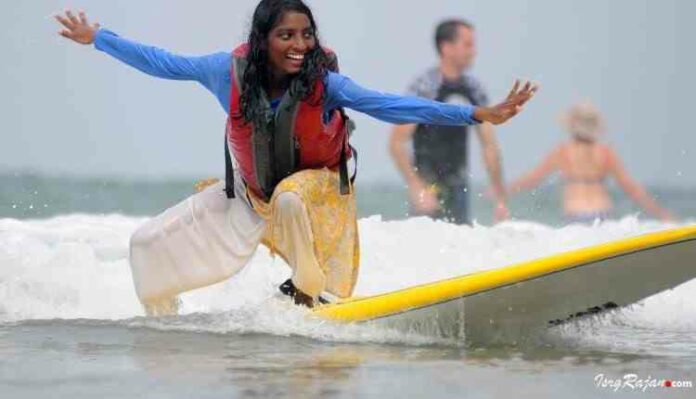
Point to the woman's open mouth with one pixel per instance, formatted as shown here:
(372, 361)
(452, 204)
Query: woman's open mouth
(295, 59)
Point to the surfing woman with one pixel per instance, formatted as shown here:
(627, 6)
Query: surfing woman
(585, 165)
(286, 146)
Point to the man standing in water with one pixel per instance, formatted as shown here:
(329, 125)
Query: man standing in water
(437, 175)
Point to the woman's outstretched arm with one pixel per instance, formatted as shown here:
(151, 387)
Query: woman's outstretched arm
(635, 190)
(148, 59)
(392, 108)
(533, 178)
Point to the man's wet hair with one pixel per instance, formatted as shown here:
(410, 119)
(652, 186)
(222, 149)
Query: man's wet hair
(447, 30)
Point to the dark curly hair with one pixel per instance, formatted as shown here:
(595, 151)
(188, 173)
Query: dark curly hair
(257, 75)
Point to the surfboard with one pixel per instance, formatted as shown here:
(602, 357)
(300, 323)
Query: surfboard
(508, 303)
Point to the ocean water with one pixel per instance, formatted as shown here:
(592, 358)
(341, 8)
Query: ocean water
(71, 325)
(26, 195)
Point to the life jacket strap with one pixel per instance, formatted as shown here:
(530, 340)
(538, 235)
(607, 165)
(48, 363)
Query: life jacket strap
(344, 184)
(229, 172)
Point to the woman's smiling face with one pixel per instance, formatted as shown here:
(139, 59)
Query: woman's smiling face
(288, 43)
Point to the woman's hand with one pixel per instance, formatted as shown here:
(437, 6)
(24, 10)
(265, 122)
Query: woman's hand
(501, 212)
(512, 105)
(77, 29)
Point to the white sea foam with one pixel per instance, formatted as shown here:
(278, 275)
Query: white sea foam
(76, 267)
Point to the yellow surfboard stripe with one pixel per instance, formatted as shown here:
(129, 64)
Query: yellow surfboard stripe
(368, 308)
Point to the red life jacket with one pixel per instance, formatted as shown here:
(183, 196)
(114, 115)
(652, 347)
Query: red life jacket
(296, 137)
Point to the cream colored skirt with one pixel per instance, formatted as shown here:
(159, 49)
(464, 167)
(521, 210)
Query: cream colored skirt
(208, 238)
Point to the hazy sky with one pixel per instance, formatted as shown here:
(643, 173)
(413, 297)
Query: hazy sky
(70, 109)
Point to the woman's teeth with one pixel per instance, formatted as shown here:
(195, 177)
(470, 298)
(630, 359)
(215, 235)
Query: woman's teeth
(296, 57)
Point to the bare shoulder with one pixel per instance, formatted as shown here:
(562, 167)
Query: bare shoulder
(553, 158)
(561, 150)
(608, 156)
(606, 151)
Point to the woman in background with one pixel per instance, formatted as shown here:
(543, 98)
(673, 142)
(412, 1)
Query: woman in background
(585, 164)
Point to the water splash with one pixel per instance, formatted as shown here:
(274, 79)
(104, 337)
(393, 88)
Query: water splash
(76, 267)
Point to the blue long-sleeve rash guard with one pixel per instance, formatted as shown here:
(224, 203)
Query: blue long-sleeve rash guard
(213, 72)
